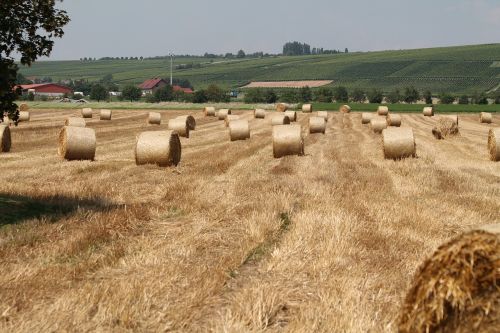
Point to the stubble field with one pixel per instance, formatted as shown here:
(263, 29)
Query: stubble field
(232, 239)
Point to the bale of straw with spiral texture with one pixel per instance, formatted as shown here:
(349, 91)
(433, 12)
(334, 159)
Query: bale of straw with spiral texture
(162, 148)
(281, 107)
(209, 111)
(485, 118)
(105, 114)
(345, 109)
(75, 121)
(77, 143)
(322, 114)
(280, 119)
(5, 140)
(383, 110)
(457, 289)
(24, 107)
(239, 130)
(287, 140)
(24, 116)
(317, 125)
(154, 118)
(180, 126)
(445, 127)
(398, 143)
(428, 111)
(292, 115)
(230, 118)
(378, 124)
(259, 113)
(494, 144)
(453, 118)
(366, 117)
(87, 113)
(393, 120)
(307, 108)
(190, 121)
(223, 113)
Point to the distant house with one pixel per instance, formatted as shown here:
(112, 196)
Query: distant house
(184, 90)
(148, 87)
(45, 89)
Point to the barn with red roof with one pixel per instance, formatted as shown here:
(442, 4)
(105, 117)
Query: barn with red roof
(45, 89)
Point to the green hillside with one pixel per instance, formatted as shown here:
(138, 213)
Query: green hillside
(463, 69)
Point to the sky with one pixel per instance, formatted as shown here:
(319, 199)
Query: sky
(113, 28)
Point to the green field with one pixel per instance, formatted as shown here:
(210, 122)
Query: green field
(463, 69)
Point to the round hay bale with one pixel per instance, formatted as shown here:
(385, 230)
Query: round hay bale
(494, 144)
(307, 108)
(292, 115)
(383, 110)
(105, 114)
(345, 109)
(398, 143)
(230, 118)
(221, 115)
(456, 289)
(428, 111)
(317, 125)
(24, 116)
(239, 130)
(281, 107)
(366, 117)
(280, 119)
(485, 118)
(287, 140)
(190, 121)
(154, 118)
(445, 127)
(160, 147)
(259, 113)
(180, 126)
(393, 120)
(453, 118)
(322, 114)
(5, 140)
(378, 124)
(209, 111)
(75, 121)
(24, 107)
(77, 143)
(87, 113)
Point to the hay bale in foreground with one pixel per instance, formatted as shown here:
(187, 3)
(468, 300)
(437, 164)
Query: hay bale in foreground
(398, 143)
(209, 111)
(179, 125)
(5, 139)
(230, 118)
(239, 130)
(221, 115)
(259, 113)
(190, 121)
(24, 107)
(453, 118)
(87, 113)
(485, 118)
(428, 111)
(105, 114)
(292, 115)
(378, 124)
(383, 110)
(317, 125)
(366, 117)
(24, 116)
(281, 107)
(345, 109)
(77, 143)
(457, 288)
(287, 140)
(280, 119)
(307, 108)
(494, 144)
(154, 118)
(445, 127)
(160, 147)
(393, 120)
(75, 122)
(322, 114)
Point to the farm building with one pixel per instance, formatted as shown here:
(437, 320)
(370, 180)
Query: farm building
(45, 89)
(184, 90)
(150, 86)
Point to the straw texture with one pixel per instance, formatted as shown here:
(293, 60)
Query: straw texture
(162, 148)
(230, 118)
(209, 111)
(307, 108)
(239, 130)
(292, 115)
(317, 125)
(378, 124)
(366, 117)
(445, 127)
(494, 144)
(383, 110)
(154, 118)
(76, 122)
(87, 113)
(280, 119)
(398, 143)
(105, 114)
(345, 109)
(24, 116)
(428, 111)
(323, 114)
(287, 140)
(180, 126)
(5, 140)
(259, 113)
(454, 118)
(24, 107)
(190, 121)
(485, 118)
(393, 120)
(281, 107)
(77, 143)
(223, 113)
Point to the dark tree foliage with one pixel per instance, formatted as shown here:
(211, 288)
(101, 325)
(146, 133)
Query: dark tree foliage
(164, 94)
(464, 99)
(131, 93)
(216, 94)
(27, 28)
(289, 96)
(323, 95)
(394, 96)
(447, 98)
(358, 95)
(270, 96)
(428, 97)
(411, 95)
(341, 95)
(305, 94)
(296, 48)
(375, 96)
(200, 96)
(254, 96)
(98, 92)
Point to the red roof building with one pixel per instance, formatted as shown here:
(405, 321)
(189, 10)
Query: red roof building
(45, 89)
(150, 86)
(184, 90)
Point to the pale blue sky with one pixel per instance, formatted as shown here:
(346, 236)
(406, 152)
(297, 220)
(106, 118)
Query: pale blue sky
(155, 27)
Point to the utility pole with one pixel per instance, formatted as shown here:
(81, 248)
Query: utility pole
(171, 69)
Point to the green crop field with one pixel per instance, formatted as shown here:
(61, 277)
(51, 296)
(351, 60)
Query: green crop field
(462, 69)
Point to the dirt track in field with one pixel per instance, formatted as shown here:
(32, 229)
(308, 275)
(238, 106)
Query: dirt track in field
(232, 239)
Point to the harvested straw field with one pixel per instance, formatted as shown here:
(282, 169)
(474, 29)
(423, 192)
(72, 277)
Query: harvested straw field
(231, 239)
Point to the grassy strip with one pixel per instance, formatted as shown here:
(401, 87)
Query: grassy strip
(410, 107)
